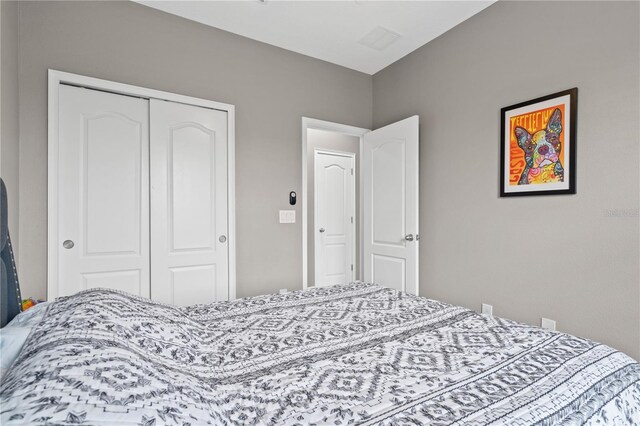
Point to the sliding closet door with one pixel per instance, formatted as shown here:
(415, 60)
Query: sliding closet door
(103, 197)
(189, 248)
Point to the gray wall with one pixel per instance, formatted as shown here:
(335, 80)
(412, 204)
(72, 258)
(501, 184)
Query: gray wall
(271, 88)
(322, 139)
(573, 258)
(9, 142)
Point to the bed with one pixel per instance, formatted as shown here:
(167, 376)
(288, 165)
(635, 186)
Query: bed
(349, 354)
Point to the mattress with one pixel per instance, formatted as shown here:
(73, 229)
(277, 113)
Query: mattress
(351, 354)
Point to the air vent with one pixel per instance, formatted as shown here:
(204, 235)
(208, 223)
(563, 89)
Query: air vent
(380, 38)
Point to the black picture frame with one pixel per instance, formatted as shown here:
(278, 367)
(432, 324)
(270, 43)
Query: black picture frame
(505, 140)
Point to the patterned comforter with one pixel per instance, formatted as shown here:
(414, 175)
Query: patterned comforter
(352, 354)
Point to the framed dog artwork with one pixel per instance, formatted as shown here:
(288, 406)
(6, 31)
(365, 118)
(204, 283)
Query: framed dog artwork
(538, 146)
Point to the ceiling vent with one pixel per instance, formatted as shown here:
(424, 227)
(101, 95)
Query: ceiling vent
(380, 38)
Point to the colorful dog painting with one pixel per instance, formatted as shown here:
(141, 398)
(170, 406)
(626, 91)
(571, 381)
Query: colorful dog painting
(542, 152)
(538, 145)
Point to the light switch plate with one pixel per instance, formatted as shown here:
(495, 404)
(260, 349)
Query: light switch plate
(287, 216)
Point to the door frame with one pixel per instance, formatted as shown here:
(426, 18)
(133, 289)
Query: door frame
(313, 123)
(57, 78)
(352, 156)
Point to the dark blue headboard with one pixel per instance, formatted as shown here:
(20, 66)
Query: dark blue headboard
(10, 298)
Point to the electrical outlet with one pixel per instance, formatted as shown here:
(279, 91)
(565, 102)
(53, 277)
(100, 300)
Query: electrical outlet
(487, 309)
(287, 216)
(547, 323)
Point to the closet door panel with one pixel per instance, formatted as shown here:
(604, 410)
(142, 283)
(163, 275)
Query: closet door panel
(192, 180)
(103, 197)
(189, 250)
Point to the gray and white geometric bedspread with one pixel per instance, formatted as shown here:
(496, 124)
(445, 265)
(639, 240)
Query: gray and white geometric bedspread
(352, 354)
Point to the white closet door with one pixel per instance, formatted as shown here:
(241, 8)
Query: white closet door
(334, 218)
(189, 250)
(103, 197)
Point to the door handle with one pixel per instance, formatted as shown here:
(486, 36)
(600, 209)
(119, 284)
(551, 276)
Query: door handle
(408, 237)
(321, 229)
(222, 238)
(68, 244)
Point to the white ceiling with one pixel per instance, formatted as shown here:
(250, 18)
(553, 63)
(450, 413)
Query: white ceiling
(332, 30)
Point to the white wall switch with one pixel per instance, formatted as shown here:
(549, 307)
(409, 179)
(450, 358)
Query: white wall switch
(487, 309)
(283, 291)
(547, 323)
(287, 216)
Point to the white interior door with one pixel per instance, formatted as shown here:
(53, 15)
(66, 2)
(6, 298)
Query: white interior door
(189, 252)
(103, 197)
(334, 178)
(390, 213)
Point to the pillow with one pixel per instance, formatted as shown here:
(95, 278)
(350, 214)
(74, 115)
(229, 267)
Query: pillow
(11, 341)
(14, 335)
(31, 317)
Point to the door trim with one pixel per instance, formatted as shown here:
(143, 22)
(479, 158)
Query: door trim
(55, 79)
(313, 123)
(352, 156)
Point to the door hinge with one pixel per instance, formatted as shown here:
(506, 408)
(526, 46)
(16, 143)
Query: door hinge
(351, 219)
(352, 267)
(352, 172)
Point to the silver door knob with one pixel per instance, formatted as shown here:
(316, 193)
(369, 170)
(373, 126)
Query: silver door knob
(68, 244)
(222, 238)
(321, 229)
(408, 237)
